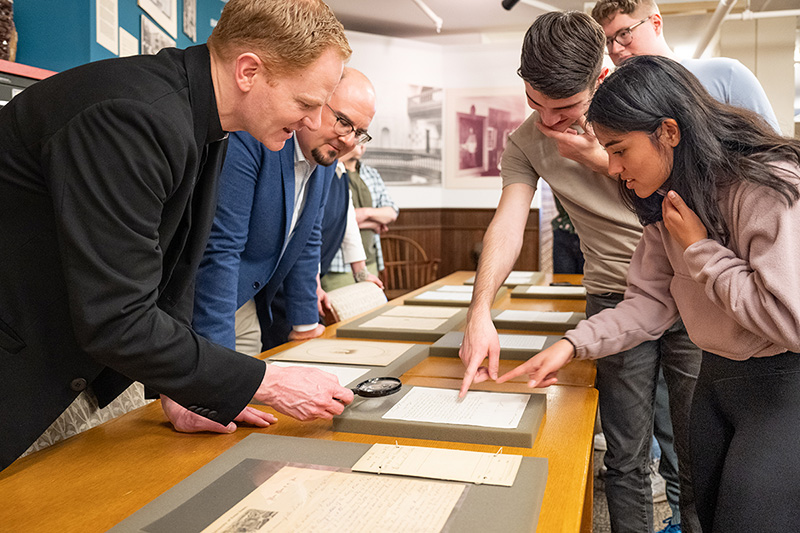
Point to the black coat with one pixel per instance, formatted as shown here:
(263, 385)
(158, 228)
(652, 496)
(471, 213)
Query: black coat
(108, 178)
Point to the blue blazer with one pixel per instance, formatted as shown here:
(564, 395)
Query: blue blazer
(251, 227)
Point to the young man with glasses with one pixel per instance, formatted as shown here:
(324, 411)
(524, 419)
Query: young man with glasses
(562, 65)
(266, 235)
(635, 27)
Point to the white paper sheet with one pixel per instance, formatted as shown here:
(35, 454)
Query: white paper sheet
(550, 317)
(442, 406)
(440, 463)
(309, 500)
(403, 322)
(107, 27)
(521, 277)
(444, 296)
(524, 342)
(454, 288)
(555, 291)
(128, 44)
(345, 374)
(421, 311)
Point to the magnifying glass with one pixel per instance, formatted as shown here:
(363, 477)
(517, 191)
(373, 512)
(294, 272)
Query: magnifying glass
(376, 387)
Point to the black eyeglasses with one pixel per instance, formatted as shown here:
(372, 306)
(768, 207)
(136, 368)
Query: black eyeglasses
(624, 37)
(343, 127)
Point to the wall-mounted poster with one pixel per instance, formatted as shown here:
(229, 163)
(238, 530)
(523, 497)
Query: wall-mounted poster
(190, 19)
(406, 145)
(478, 123)
(164, 12)
(153, 39)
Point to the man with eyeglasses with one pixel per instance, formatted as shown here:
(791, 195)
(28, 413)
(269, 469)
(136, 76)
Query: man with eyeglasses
(635, 27)
(267, 233)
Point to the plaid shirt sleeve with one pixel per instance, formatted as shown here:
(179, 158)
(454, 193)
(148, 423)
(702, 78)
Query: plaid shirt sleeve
(380, 198)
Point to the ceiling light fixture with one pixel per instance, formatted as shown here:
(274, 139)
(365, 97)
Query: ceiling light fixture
(437, 20)
(508, 4)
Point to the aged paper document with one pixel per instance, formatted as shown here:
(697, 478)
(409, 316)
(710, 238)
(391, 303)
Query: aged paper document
(440, 463)
(422, 311)
(344, 352)
(443, 406)
(403, 322)
(309, 500)
(525, 342)
(553, 317)
(345, 374)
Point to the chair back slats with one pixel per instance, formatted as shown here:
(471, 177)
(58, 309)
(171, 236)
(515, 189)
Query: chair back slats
(406, 264)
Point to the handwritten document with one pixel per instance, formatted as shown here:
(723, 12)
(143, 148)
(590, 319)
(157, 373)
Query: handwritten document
(403, 322)
(551, 317)
(443, 406)
(440, 463)
(524, 342)
(421, 311)
(309, 500)
(345, 374)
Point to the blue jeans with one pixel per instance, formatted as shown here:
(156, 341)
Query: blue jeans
(627, 385)
(665, 440)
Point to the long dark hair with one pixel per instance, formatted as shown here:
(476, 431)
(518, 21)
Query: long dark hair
(720, 144)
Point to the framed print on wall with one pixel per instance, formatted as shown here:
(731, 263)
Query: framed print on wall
(164, 12)
(478, 123)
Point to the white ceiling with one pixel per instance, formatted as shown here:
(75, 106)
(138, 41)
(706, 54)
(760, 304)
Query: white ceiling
(403, 18)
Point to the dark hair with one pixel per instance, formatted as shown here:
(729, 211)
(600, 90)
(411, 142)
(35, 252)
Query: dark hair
(605, 10)
(562, 53)
(720, 144)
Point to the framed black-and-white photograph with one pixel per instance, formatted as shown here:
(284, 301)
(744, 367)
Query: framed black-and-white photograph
(153, 38)
(406, 145)
(163, 12)
(478, 123)
(190, 19)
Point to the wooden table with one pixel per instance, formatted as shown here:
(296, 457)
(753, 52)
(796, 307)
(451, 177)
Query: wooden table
(94, 480)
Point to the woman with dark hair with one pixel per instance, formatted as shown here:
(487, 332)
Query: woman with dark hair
(717, 192)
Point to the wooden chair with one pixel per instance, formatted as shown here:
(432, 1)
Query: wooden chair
(407, 266)
(352, 300)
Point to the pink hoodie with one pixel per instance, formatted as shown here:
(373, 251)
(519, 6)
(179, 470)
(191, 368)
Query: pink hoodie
(739, 301)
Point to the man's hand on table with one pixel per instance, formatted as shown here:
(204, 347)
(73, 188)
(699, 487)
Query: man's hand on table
(480, 341)
(303, 393)
(185, 421)
(305, 335)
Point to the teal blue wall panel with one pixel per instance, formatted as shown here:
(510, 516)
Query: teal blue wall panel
(61, 35)
(53, 35)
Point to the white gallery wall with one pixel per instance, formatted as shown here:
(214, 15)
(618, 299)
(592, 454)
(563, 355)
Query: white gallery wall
(393, 64)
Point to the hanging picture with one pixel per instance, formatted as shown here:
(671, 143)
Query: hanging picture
(164, 12)
(153, 39)
(406, 145)
(478, 123)
(190, 19)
